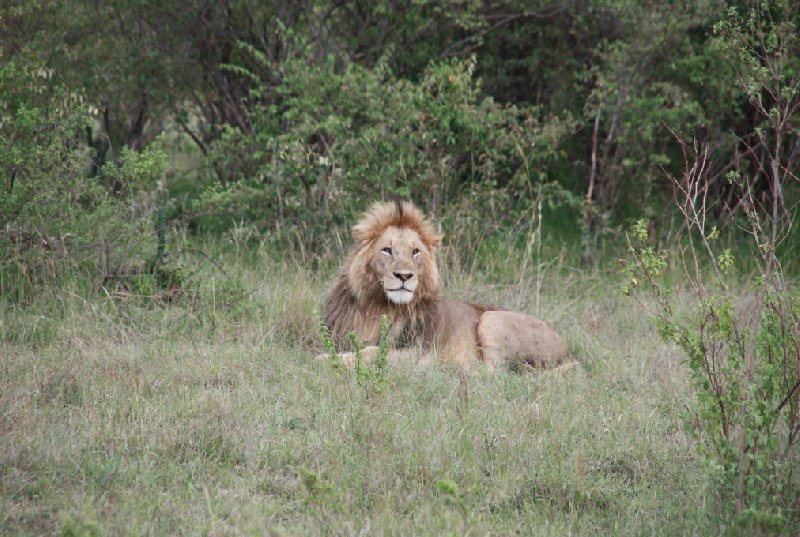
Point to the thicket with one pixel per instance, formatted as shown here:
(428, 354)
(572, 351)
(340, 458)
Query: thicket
(311, 107)
(742, 342)
(56, 214)
(125, 125)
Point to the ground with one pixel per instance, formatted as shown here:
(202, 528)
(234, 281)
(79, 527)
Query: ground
(208, 416)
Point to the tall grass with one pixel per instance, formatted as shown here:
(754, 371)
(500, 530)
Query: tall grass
(207, 415)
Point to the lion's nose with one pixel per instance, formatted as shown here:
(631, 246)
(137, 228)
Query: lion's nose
(404, 276)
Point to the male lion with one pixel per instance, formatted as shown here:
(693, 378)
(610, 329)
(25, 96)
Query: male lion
(392, 271)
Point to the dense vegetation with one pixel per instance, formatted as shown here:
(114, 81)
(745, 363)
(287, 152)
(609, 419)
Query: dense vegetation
(176, 183)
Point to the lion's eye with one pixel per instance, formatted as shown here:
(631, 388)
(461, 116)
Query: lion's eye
(415, 252)
(387, 250)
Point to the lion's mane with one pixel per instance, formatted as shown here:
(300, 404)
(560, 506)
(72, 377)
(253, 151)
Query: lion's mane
(356, 300)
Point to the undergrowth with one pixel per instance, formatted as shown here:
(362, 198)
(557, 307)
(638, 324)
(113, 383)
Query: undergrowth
(208, 414)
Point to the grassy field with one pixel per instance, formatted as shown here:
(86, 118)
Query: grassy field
(209, 417)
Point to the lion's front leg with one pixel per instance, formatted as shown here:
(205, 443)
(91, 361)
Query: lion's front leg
(411, 357)
(349, 359)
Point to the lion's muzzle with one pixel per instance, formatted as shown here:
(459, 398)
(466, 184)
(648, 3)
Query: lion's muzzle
(401, 289)
(400, 296)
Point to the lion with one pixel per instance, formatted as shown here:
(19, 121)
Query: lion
(392, 270)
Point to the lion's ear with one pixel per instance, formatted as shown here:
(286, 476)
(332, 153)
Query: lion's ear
(373, 221)
(362, 233)
(433, 240)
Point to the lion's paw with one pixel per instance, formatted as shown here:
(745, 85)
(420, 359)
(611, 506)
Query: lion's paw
(349, 358)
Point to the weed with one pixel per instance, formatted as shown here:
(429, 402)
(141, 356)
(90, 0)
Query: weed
(176, 427)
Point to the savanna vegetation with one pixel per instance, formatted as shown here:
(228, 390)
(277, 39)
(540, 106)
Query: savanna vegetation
(177, 182)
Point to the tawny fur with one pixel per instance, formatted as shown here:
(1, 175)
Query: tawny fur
(457, 332)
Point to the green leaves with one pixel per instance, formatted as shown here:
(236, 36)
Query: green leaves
(60, 218)
(335, 133)
(725, 261)
(742, 365)
(372, 370)
(327, 339)
(640, 229)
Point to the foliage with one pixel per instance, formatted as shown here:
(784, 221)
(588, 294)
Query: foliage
(340, 135)
(742, 350)
(325, 336)
(742, 357)
(640, 80)
(313, 105)
(372, 371)
(382, 359)
(56, 217)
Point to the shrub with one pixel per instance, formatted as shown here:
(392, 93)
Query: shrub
(54, 216)
(742, 355)
(329, 136)
(743, 351)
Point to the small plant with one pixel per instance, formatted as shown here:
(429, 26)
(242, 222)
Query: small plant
(357, 346)
(743, 363)
(327, 339)
(382, 359)
(742, 351)
(334, 360)
(372, 370)
(318, 490)
(452, 494)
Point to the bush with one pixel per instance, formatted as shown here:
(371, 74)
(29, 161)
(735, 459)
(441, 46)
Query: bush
(743, 351)
(742, 355)
(329, 136)
(55, 217)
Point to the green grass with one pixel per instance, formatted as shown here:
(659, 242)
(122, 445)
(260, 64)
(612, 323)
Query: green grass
(209, 416)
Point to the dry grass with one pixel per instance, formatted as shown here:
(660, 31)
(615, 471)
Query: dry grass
(209, 417)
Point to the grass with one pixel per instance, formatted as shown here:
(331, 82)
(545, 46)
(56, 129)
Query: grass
(209, 417)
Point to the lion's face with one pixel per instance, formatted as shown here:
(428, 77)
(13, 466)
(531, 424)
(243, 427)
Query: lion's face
(395, 256)
(399, 260)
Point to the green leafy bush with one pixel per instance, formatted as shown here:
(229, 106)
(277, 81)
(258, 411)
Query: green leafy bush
(330, 136)
(742, 355)
(743, 349)
(55, 217)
